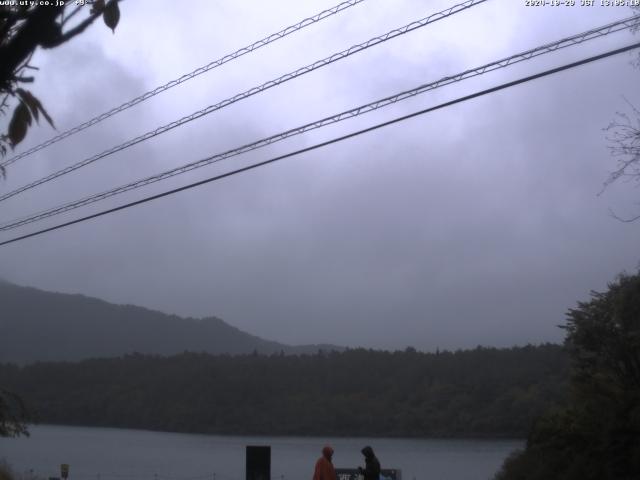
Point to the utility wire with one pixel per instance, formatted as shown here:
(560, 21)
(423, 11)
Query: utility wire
(381, 103)
(253, 91)
(332, 141)
(184, 78)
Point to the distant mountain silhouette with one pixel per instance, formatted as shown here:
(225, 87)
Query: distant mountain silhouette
(44, 326)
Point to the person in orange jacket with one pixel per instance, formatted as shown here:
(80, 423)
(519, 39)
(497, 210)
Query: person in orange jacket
(324, 468)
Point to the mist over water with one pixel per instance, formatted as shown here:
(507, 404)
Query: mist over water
(111, 454)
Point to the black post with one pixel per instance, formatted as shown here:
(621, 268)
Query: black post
(258, 462)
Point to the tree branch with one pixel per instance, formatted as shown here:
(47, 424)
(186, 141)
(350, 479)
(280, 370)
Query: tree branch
(624, 220)
(71, 15)
(81, 27)
(37, 28)
(78, 29)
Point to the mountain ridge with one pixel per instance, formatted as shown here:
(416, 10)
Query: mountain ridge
(38, 325)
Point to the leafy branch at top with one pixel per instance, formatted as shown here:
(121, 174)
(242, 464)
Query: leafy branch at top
(24, 28)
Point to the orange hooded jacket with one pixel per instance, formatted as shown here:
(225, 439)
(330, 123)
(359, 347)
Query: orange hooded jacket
(324, 468)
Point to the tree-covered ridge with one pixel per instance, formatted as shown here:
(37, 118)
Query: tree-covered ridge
(481, 392)
(46, 326)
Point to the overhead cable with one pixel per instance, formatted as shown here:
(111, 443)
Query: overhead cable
(253, 91)
(329, 142)
(361, 110)
(188, 76)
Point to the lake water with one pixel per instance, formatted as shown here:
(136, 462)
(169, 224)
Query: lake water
(118, 454)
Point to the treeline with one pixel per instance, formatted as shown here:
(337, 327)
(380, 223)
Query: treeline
(482, 392)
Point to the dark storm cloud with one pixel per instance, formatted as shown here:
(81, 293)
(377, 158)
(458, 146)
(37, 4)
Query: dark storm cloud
(478, 224)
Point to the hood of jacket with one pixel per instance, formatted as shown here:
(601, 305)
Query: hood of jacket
(368, 452)
(327, 452)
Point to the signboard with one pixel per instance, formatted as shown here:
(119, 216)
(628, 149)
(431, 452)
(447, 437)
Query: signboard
(64, 470)
(354, 474)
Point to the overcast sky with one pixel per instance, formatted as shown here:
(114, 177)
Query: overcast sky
(476, 224)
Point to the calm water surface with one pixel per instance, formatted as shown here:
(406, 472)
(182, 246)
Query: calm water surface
(118, 454)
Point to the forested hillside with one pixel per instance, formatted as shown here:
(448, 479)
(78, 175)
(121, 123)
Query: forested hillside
(44, 326)
(481, 392)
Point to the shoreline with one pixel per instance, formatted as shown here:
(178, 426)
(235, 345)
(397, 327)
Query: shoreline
(487, 438)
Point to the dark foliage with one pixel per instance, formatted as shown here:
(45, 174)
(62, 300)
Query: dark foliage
(13, 415)
(597, 436)
(482, 392)
(25, 27)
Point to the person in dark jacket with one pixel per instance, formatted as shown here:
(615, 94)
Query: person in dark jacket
(371, 470)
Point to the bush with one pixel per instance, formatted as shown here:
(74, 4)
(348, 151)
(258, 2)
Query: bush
(597, 436)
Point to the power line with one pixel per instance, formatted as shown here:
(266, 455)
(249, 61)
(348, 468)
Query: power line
(330, 142)
(184, 78)
(253, 91)
(372, 106)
